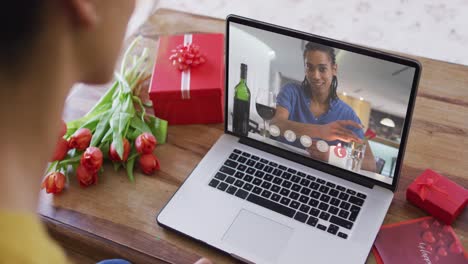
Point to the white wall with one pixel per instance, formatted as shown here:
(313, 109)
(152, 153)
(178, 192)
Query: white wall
(244, 47)
(375, 80)
(287, 57)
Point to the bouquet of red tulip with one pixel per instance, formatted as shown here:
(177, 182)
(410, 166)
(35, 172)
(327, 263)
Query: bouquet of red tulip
(117, 128)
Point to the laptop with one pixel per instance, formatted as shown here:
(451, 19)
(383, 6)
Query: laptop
(314, 138)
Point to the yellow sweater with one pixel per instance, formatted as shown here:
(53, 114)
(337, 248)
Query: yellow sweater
(24, 240)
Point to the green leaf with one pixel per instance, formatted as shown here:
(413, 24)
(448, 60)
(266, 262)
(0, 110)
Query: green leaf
(107, 137)
(134, 155)
(128, 106)
(89, 123)
(102, 127)
(104, 104)
(74, 167)
(138, 101)
(131, 162)
(129, 111)
(123, 83)
(105, 149)
(127, 53)
(139, 125)
(124, 122)
(117, 165)
(158, 128)
(132, 134)
(70, 161)
(129, 167)
(118, 124)
(106, 99)
(148, 104)
(74, 125)
(116, 135)
(66, 173)
(52, 167)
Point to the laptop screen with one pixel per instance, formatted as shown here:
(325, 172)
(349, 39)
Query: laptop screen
(328, 104)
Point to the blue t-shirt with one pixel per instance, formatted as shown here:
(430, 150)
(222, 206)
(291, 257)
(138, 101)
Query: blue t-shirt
(293, 97)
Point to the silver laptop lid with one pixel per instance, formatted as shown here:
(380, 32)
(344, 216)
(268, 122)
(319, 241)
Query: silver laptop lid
(333, 106)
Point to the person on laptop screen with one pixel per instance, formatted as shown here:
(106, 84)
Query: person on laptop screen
(313, 108)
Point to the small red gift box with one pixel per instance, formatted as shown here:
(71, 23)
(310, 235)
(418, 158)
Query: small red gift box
(437, 195)
(195, 95)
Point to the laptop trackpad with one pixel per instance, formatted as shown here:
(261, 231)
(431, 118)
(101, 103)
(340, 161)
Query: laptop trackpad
(258, 235)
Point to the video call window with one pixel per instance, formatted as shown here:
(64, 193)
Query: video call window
(331, 105)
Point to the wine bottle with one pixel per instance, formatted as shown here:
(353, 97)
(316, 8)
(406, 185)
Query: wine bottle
(241, 104)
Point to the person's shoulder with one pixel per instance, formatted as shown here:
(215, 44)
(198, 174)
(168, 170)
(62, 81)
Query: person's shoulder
(291, 88)
(25, 240)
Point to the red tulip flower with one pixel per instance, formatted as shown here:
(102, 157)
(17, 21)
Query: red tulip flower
(60, 150)
(54, 183)
(80, 139)
(92, 159)
(114, 156)
(85, 177)
(149, 163)
(145, 143)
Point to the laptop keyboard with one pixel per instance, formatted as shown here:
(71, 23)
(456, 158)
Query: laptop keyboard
(303, 197)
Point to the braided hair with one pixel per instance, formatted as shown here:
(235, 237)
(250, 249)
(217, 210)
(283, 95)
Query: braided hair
(311, 46)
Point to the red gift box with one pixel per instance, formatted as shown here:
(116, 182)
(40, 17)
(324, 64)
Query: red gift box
(194, 96)
(422, 240)
(437, 195)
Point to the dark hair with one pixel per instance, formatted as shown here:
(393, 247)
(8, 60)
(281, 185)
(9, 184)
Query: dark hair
(20, 21)
(311, 46)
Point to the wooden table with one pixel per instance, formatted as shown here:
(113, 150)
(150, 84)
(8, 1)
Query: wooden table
(116, 218)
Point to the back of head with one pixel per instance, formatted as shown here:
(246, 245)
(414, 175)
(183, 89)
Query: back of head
(20, 22)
